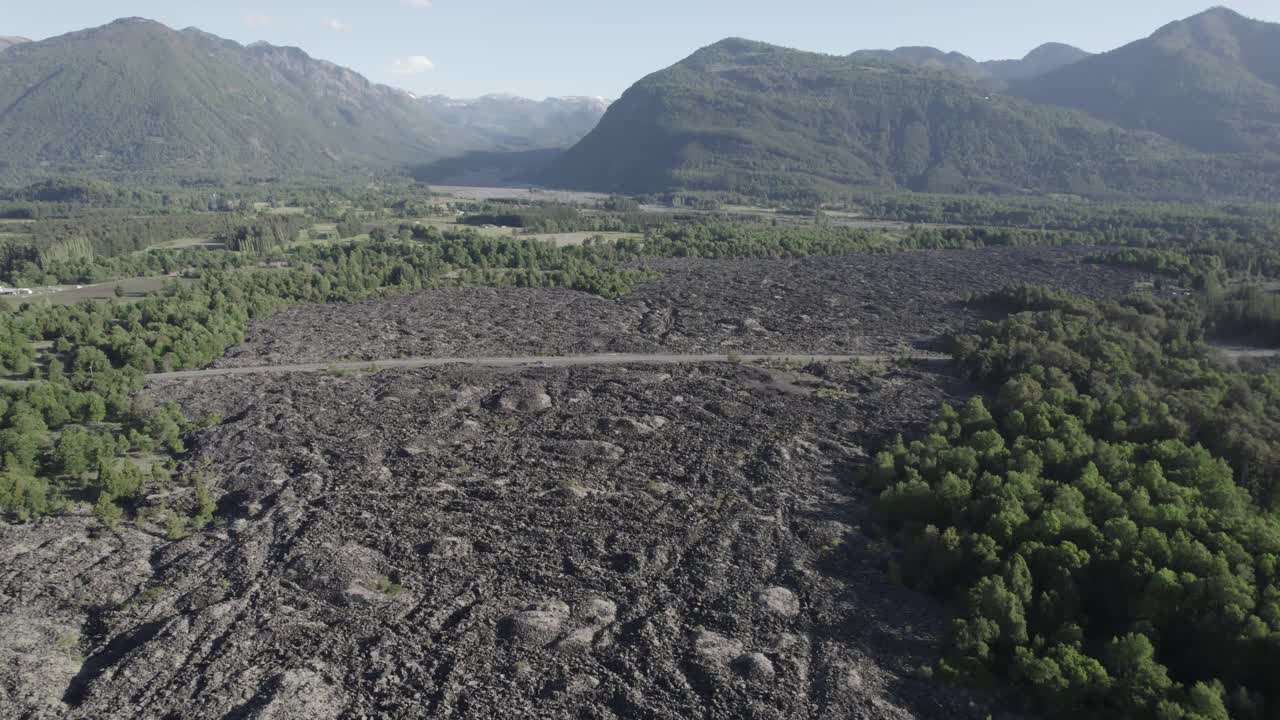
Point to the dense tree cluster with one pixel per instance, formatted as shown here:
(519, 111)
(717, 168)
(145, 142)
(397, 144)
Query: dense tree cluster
(1102, 519)
(1247, 314)
(23, 257)
(1163, 261)
(1161, 221)
(263, 233)
(616, 216)
(81, 435)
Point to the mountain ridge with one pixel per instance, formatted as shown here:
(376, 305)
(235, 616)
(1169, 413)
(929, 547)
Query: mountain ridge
(1210, 81)
(744, 116)
(137, 97)
(1044, 58)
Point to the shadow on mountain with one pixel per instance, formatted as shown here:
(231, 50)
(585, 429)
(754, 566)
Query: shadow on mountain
(488, 168)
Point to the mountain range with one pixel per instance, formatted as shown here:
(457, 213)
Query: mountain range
(1189, 112)
(1192, 111)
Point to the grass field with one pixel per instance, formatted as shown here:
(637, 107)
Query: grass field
(181, 243)
(467, 192)
(577, 238)
(134, 290)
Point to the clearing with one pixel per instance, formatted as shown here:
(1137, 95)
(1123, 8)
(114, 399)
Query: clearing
(134, 289)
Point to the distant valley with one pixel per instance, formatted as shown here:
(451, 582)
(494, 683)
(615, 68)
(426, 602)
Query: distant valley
(507, 122)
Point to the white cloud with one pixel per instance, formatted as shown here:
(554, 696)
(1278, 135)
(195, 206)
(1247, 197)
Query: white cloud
(412, 65)
(335, 25)
(417, 3)
(257, 20)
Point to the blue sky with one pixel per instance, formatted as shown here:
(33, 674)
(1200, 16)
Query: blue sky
(466, 48)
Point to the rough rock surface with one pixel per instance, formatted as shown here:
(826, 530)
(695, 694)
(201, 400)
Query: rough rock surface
(862, 303)
(711, 567)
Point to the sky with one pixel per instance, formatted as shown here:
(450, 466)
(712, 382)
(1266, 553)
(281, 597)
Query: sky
(467, 48)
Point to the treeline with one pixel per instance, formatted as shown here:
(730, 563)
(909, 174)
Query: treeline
(87, 252)
(1203, 261)
(85, 270)
(1243, 313)
(23, 257)
(555, 218)
(263, 233)
(1105, 518)
(1162, 261)
(1247, 314)
(1258, 223)
(71, 197)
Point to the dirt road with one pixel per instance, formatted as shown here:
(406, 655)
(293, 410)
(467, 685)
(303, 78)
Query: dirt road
(542, 361)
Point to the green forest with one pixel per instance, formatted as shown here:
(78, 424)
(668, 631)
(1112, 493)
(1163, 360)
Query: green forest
(1104, 514)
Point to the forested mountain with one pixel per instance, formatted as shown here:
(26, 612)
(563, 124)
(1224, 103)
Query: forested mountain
(1211, 82)
(135, 98)
(1045, 58)
(367, 120)
(139, 98)
(506, 122)
(1191, 112)
(750, 117)
(10, 40)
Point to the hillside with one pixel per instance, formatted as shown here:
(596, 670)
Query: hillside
(505, 122)
(750, 117)
(370, 121)
(11, 40)
(1045, 58)
(135, 97)
(1211, 82)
